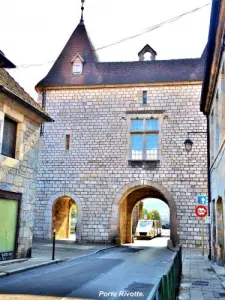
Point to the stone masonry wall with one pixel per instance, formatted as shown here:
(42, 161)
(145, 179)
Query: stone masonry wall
(96, 167)
(19, 175)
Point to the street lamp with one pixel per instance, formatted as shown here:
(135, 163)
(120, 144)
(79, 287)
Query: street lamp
(188, 144)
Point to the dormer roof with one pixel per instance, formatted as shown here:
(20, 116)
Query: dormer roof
(147, 49)
(77, 56)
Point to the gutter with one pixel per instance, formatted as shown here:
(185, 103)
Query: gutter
(214, 81)
(211, 46)
(26, 104)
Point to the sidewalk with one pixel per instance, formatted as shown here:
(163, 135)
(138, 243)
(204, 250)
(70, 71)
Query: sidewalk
(42, 255)
(201, 280)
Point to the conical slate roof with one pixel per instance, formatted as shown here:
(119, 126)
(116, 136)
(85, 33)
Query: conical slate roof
(61, 71)
(107, 73)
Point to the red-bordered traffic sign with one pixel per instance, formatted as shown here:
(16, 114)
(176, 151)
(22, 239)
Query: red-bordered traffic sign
(201, 211)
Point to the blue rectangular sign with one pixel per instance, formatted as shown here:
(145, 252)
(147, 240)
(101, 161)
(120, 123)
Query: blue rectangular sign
(201, 200)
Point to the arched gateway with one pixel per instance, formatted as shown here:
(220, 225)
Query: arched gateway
(128, 197)
(58, 212)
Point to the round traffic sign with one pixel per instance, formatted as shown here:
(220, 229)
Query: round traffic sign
(201, 211)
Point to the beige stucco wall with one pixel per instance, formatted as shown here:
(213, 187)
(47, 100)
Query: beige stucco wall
(96, 167)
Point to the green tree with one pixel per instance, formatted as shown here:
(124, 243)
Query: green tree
(74, 211)
(154, 215)
(145, 211)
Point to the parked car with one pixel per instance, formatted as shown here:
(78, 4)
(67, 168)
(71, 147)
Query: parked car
(165, 226)
(147, 229)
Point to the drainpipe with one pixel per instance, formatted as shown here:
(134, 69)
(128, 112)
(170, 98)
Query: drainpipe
(43, 105)
(209, 185)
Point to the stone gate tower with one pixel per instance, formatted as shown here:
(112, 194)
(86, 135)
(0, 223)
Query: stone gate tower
(118, 138)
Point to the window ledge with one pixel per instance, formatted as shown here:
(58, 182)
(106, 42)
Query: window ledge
(9, 162)
(144, 160)
(144, 163)
(76, 74)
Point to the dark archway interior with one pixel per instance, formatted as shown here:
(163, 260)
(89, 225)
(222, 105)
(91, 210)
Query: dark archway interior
(61, 217)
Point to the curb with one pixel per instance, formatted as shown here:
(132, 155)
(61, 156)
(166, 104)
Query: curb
(89, 254)
(48, 263)
(223, 284)
(220, 271)
(101, 250)
(12, 261)
(20, 270)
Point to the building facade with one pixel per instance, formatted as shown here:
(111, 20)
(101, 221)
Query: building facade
(118, 138)
(213, 106)
(20, 120)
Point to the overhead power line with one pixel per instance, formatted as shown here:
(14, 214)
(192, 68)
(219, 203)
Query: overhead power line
(154, 27)
(144, 31)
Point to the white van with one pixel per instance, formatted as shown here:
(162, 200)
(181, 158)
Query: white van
(148, 229)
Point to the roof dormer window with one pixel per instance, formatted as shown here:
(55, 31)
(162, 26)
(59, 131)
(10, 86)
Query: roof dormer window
(77, 64)
(147, 50)
(77, 68)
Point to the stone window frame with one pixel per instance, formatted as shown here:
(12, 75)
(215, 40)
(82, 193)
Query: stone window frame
(216, 122)
(21, 127)
(222, 99)
(212, 133)
(214, 127)
(144, 116)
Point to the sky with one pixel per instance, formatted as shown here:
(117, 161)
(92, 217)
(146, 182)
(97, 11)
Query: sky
(156, 204)
(35, 32)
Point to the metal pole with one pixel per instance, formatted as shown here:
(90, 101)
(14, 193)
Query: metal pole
(203, 237)
(53, 246)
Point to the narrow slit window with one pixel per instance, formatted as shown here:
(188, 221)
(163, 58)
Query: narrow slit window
(67, 142)
(144, 97)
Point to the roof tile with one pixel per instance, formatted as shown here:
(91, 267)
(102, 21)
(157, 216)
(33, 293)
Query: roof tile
(9, 83)
(103, 73)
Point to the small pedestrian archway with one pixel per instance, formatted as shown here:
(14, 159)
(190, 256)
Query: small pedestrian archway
(128, 197)
(62, 218)
(65, 216)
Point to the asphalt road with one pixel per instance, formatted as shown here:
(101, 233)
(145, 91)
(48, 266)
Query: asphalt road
(118, 273)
